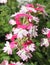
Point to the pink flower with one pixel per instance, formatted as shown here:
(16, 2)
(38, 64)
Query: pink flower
(31, 8)
(12, 22)
(28, 42)
(46, 31)
(13, 45)
(11, 37)
(18, 16)
(24, 26)
(30, 5)
(14, 36)
(5, 62)
(29, 46)
(12, 64)
(41, 9)
(48, 35)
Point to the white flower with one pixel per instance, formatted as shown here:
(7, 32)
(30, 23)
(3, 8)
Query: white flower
(44, 42)
(24, 55)
(15, 14)
(20, 32)
(25, 9)
(17, 63)
(36, 19)
(9, 36)
(45, 31)
(33, 31)
(3, 1)
(7, 48)
(32, 9)
(12, 22)
(32, 47)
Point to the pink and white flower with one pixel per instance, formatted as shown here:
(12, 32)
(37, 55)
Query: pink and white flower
(41, 9)
(24, 55)
(33, 31)
(11, 36)
(7, 48)
(36, 19)
(31, 8)
(8, 36)
(5, 62)
(13, 44)
(12, 22)
(20, 32)
(44, 42)
(46, 31)
(19, 16)
(29, 46)
(28, 8)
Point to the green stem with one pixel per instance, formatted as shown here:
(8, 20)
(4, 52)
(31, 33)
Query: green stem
(23, 20)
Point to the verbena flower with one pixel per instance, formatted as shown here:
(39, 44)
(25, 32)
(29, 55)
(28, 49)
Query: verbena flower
(7, 48)
(12, 22)
(24, 29)
(5, 62)
(8, 36)
(24, 55)
(46, 31)
(44, 42)
(20, 32)
(33, 31)
(25, 9)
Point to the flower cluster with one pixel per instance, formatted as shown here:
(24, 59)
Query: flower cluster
(45, 41)
(25, 28)
(5, 62)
